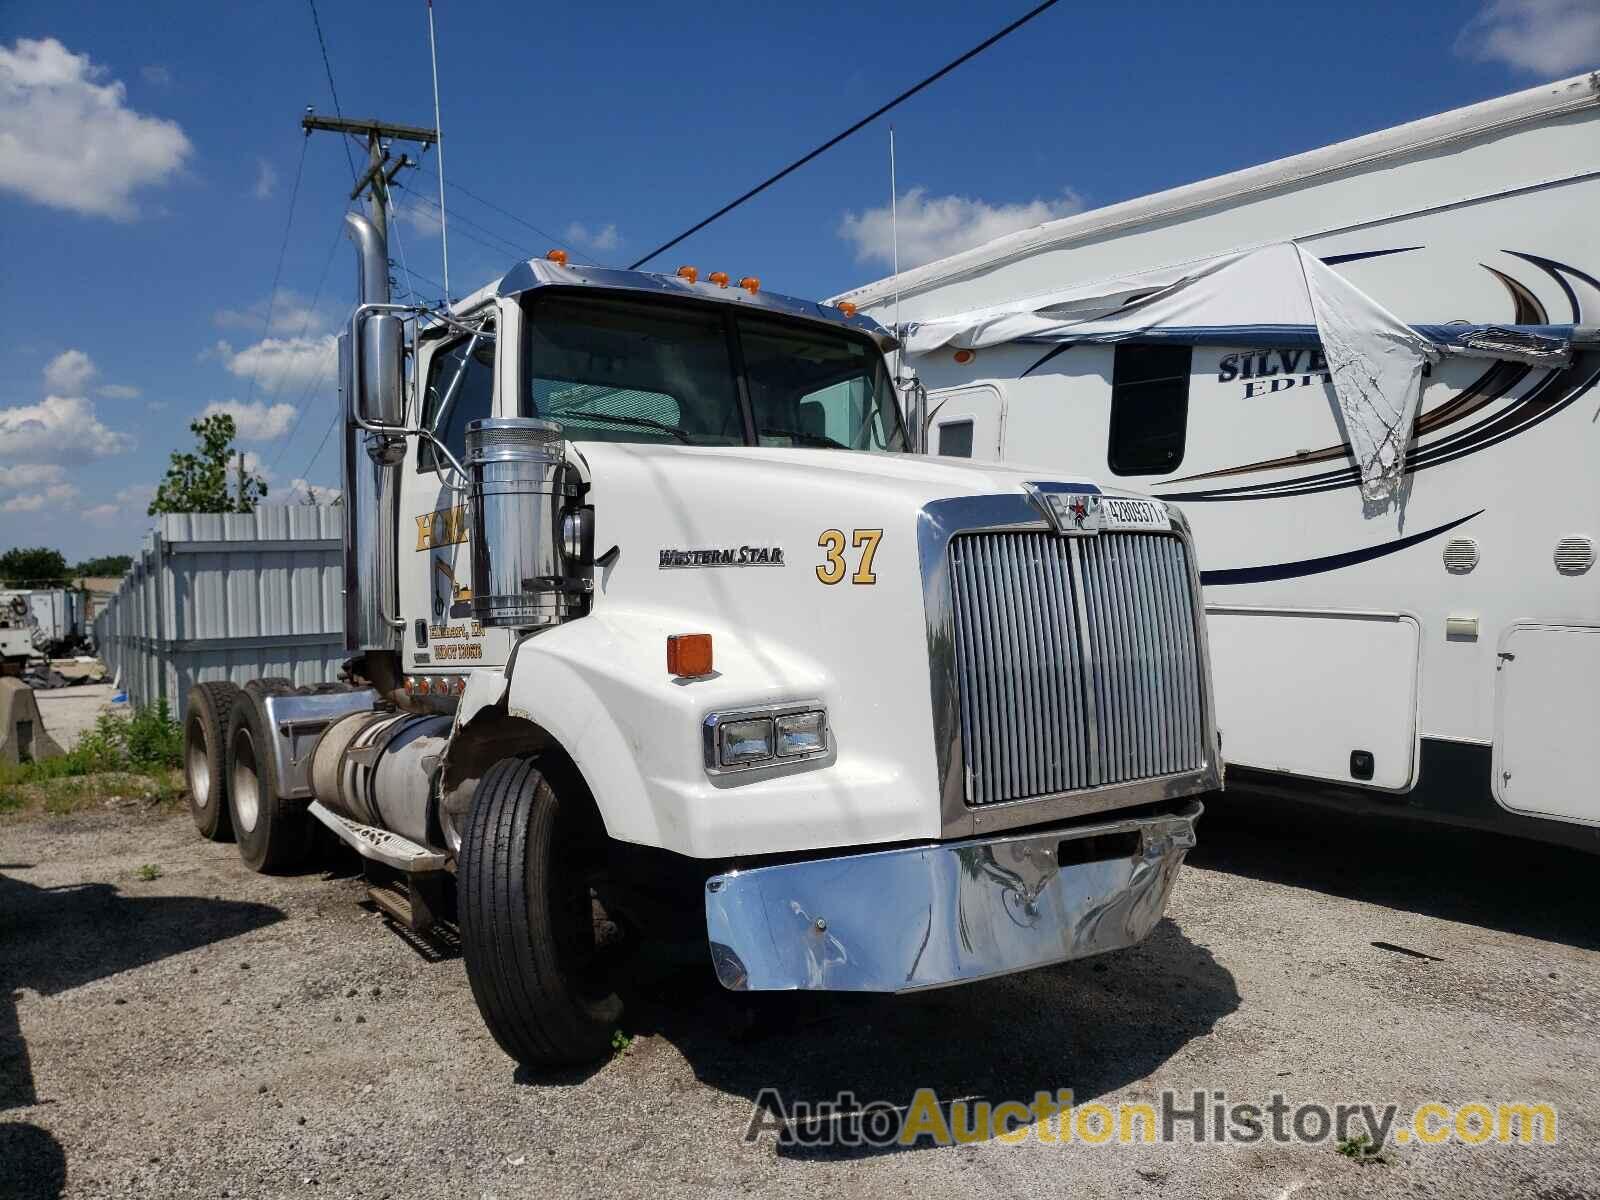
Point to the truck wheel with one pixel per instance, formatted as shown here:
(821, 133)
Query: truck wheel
(273, 833)
(205, 757)
(527, 917)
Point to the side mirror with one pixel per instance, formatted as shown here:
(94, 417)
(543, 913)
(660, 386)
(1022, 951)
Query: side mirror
(380, 370)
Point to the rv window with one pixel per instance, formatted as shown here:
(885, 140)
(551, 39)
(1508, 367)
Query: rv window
(473, 397)
(1149, 409)
(955, 439)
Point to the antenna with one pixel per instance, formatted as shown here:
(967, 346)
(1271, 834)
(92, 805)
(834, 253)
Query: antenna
(894, 234)
(444, 232)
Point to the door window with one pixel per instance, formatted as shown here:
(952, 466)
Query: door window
(461, 385)
(955, 439)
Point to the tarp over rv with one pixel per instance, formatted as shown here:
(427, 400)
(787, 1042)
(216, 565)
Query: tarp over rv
(1270, 295)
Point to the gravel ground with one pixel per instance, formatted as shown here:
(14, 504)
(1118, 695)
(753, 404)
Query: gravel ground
(216, 1033)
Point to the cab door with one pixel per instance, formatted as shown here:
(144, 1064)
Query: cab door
(455, 384)
(967, 422)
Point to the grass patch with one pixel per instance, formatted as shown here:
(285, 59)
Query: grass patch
(149, 873)
(122, 758)
(1363, 1150)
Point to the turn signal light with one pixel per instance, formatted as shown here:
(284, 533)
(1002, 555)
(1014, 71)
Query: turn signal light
(689, 273)
(750, 284)
(689, 655)
(847, 308)
(720, 278)
(559, 257)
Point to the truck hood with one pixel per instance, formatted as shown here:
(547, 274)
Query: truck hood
(911, 476)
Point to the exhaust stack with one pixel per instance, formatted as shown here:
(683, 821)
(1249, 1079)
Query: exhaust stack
(371, 593)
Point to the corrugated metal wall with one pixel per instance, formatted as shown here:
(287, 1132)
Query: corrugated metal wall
(228, 596)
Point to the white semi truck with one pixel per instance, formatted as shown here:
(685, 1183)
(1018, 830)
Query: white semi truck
(659, 628)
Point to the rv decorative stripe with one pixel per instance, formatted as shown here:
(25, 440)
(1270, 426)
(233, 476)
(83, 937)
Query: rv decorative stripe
(1331, 562)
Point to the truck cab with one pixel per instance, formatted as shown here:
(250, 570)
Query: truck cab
(660, 627)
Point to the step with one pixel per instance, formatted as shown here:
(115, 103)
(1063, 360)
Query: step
(380, 845)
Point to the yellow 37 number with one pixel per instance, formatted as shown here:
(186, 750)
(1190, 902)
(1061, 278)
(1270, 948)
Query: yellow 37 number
(833, 542)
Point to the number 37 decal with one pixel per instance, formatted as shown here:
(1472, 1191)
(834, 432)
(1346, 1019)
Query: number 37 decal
(833, 542)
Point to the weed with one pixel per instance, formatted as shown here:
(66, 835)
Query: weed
(121, 756)
(621, 1043)
(1363, 1150)
(149, 873)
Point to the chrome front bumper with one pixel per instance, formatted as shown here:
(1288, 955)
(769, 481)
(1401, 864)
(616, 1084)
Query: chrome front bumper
(930, 916)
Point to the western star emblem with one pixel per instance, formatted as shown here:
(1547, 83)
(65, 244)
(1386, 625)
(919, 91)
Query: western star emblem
(722, 556)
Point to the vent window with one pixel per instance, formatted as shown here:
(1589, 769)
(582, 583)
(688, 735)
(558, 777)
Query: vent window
(1460, 555)
(1149, 409)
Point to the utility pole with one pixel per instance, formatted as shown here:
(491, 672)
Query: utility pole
(380, 173)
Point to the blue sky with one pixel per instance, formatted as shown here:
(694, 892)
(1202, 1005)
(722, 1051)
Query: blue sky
(148, 152)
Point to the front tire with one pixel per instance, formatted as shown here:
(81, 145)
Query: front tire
(273, 833)
(527, 916)
(205, 757)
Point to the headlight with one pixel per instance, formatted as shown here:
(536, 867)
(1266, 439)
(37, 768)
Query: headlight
(767, 736)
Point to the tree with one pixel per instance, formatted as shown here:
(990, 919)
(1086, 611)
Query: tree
(32, 564)
(200, 482)
(105, 566)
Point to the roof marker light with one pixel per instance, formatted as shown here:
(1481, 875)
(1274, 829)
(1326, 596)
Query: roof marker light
(720, 278)
(559, 257)
(750, 284)
(847, 308)
(689, 273)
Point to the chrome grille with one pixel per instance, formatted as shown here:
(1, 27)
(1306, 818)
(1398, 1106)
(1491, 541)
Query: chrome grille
(1077, 662)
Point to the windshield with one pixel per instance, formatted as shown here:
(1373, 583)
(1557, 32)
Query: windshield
(621, 370)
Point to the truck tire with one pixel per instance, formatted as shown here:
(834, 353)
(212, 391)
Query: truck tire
(205, 757)
(527, 918)
(273, 833)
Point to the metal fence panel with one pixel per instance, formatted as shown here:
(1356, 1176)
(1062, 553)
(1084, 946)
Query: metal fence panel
(228, 596)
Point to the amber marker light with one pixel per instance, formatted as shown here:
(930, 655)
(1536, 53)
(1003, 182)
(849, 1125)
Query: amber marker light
(720, 278)
(690, 274)
(847, 308)
(689, 655)
(964, 356)
(750, 284)
(559, 257)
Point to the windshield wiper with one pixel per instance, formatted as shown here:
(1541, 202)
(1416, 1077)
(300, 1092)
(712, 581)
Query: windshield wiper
(810, 439)
(641, 422)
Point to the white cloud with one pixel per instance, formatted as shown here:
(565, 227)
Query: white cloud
(131, 501)
(304, 492)
(280, 362)
(61, 429)
(30, 475)
(932, 227)
(156, 75)
(419, 217)
(118, 391)
(291, 313)
(602, 239)
(69, 372)
(257, 421)
(105, 514)
(1546, 37)
(37, 501)
(266, 180)
(68, 140)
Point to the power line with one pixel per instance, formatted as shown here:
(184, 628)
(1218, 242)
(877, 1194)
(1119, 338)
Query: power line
(277, 272)
(505, 212)
(837, 138)
(518, 251)
(328, 67)
(306, 474)
(283, 374)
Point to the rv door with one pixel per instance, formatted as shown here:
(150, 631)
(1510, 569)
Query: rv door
(967, 422)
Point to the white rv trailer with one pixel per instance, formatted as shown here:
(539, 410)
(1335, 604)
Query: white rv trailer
(1426, 637)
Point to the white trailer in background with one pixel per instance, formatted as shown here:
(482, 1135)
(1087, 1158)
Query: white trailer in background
(1366, 373)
